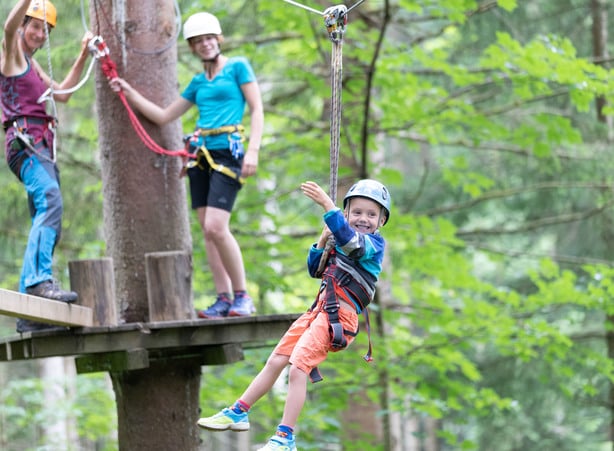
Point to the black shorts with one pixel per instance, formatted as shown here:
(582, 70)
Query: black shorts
(209, 188)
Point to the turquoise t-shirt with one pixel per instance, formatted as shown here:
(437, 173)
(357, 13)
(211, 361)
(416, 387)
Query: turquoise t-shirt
(220, 101)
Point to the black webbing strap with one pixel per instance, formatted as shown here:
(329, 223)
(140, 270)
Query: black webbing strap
(337, 332)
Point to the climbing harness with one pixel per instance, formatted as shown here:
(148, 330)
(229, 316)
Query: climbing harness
(342, 279)
(195, 145)
(335, 20)
(20, 126)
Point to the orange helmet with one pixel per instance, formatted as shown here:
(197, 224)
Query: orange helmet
(46, 12)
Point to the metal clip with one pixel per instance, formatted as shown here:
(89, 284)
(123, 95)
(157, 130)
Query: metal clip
(97, 47)
(335, 19)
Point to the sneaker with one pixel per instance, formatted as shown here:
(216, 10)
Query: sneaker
(26, 325)
(278, 443)
(50, 289)
(219, 309)
(226, 419)
(242, 306)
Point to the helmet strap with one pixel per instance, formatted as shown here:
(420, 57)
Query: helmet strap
(214, 59)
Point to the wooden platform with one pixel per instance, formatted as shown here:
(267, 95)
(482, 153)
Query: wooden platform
(134, 345)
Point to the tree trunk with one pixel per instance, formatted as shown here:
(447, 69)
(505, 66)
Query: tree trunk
(610, 346)
(600, 52)
(157, 408)
(599, 14)
(145, 210)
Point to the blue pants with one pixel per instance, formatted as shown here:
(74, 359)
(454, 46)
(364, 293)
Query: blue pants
(40, 177)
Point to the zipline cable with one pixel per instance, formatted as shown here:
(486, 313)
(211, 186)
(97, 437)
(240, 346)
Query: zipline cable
(335, 20)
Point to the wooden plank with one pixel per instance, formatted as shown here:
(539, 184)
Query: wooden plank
(207, 355)
(133, 359)
(137, 359)
(23, 305)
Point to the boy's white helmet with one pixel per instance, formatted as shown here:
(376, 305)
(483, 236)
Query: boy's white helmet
(199, 24)
(371, 189)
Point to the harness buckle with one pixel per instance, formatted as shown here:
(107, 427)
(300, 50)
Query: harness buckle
(338, 339)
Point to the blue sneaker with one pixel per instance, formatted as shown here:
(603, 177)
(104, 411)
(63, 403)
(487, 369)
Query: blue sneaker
(219, 309)
(277, 443)
(224, 420)
(242, 306)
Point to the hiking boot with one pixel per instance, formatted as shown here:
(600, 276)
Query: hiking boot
(26, 325)
(242, 306)
(226, 419)
(50, 289)
(218, 310)
(277, 443)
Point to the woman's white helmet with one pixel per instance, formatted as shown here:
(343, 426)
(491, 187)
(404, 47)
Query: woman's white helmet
(199, 24)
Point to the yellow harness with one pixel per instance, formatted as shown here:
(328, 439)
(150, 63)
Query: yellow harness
(203, 152)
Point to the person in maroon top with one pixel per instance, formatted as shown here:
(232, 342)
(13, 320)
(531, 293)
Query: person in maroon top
(30, 149)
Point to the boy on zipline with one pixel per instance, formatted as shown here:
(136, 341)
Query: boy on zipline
(348, 257)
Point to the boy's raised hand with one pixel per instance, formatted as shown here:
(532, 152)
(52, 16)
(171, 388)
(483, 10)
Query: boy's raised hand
(313, 191)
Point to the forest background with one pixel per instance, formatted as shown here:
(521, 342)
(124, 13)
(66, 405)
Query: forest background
(490, 124)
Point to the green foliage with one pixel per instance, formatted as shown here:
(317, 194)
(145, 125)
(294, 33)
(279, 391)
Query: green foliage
(25, 411)
(482, 122)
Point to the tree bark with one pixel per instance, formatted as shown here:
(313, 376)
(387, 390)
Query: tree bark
(599, 14)
(157, 407)
(145, 210)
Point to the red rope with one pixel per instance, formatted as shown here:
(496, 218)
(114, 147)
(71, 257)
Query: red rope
(109, 68)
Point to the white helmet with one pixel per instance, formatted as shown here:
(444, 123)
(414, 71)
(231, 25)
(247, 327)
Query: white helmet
(371, 189)
(199, 24)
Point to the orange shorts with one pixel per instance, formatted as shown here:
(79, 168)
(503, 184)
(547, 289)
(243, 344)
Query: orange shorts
(308, 339)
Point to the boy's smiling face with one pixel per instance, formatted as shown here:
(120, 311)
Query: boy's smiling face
(364, 215)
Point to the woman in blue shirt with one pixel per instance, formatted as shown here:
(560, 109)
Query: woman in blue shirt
(220, 92)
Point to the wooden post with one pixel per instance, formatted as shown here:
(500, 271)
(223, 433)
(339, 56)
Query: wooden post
(169, 286)
(93, 281)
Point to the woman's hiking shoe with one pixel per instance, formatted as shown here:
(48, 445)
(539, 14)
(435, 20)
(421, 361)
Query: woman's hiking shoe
(219, 309)
(277, 443)
(50, 289)
(224, 420)
(242, 306)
